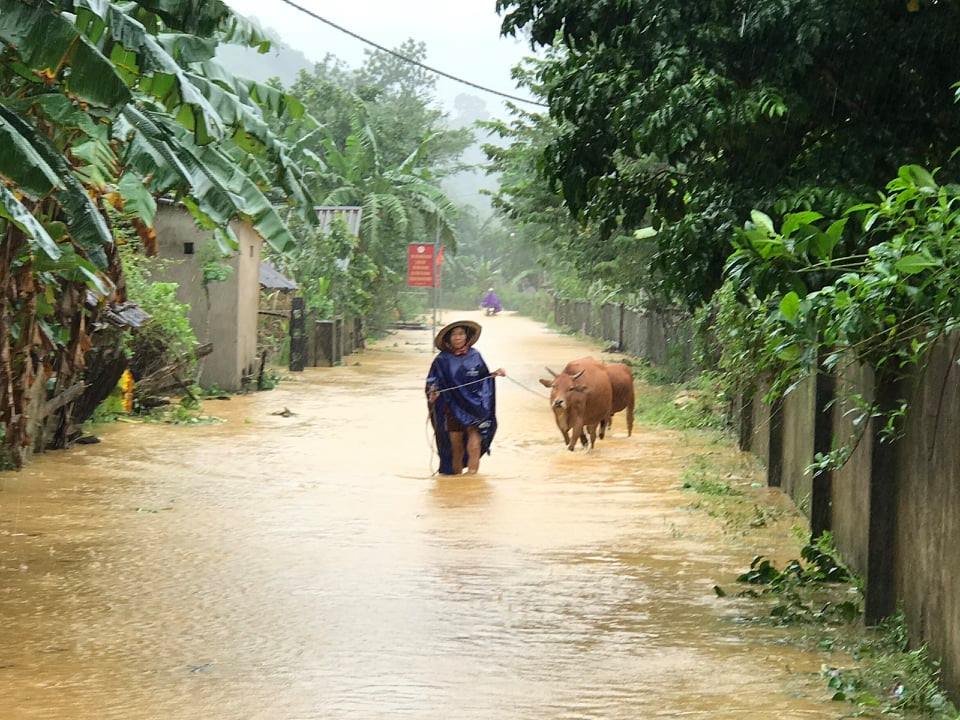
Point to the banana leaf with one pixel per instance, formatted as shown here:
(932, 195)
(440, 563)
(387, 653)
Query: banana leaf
(48, 43)
(13, 210)
(22, 164)
(208, 18)
(85, 223)
(160, 75)
(186, 49)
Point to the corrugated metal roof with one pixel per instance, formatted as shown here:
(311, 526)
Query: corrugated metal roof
(126, 314)
(351, 215)
(273, 279)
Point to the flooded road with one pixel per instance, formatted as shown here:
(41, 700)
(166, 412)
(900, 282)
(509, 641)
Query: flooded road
(311, 567)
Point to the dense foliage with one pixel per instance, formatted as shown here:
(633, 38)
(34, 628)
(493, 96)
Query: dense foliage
(382, 145)
(883, 308)
(571, 258)
(687, 115)
(103, 107)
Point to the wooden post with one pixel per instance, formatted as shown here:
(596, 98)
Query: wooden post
(298, 335)
(775, 461)
(263, 367)
(880, 598)
(821, 494)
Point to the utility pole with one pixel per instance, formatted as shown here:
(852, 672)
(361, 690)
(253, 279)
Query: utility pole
(436, 277)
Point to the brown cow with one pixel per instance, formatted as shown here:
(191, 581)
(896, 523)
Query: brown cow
(621, 382)
(581, 398)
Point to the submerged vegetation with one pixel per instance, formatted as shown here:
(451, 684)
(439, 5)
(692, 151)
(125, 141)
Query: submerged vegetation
(817, 599)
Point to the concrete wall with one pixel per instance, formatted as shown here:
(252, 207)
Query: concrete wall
(661, 339)
(926, 546)
(247, 274)
(759, 436)
(916, 482)
(229, 319)
(799, 408)
(850, 492)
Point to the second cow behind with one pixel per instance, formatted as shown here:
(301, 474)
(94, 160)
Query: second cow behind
(621, 383)
(581, 398)
(586, 395)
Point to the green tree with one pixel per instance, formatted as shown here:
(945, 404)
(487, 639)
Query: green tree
(574, 255)
(383, 145)
(689, 115)
(397, 101)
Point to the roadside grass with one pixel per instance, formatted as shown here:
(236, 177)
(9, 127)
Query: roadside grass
(185, 411)
(698, 478)
(891, 679)
(725, 487)
(695, 404)
(880, 674)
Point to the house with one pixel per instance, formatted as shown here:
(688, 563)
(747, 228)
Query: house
(223, 311)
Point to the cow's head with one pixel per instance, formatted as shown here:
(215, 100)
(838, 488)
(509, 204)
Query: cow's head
(562, 387)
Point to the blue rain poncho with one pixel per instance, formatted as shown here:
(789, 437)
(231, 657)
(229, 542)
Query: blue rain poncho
(474, 405)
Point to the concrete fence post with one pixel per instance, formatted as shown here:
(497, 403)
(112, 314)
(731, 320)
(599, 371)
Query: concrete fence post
(325, 336)
(620, 345)
(745, 437)
(348, 339)
(338, 340)
(880, 595)
(358, 334)
(821, 494)
(775, 463)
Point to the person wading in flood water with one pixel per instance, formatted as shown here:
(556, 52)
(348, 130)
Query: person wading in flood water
(461, 398)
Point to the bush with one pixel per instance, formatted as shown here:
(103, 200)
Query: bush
(167, 337)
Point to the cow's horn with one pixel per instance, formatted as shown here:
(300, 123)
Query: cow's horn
(579, 374)
(550, 371)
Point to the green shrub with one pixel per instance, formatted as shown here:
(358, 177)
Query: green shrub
(167, 337)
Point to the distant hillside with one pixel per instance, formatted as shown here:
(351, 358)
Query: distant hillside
(285, 62)
(281, 61)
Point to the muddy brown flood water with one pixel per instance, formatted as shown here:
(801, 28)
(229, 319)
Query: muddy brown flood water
(311, 567)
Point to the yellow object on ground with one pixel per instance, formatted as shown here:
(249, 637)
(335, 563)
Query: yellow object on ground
(126, 387)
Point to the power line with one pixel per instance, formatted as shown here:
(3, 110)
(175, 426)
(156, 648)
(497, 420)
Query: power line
(409, 59)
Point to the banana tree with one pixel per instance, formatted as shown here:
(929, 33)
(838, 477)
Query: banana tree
(103, 107)
(400, 204)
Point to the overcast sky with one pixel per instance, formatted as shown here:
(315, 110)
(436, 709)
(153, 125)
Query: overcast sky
(462, 36)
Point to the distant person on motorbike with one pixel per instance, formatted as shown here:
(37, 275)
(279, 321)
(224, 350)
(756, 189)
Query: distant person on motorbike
(491, 303)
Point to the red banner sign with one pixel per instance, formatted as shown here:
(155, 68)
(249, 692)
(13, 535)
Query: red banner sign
(420, 265)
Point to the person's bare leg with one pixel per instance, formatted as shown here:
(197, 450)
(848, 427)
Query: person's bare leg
(473, 450)
(456, 447)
